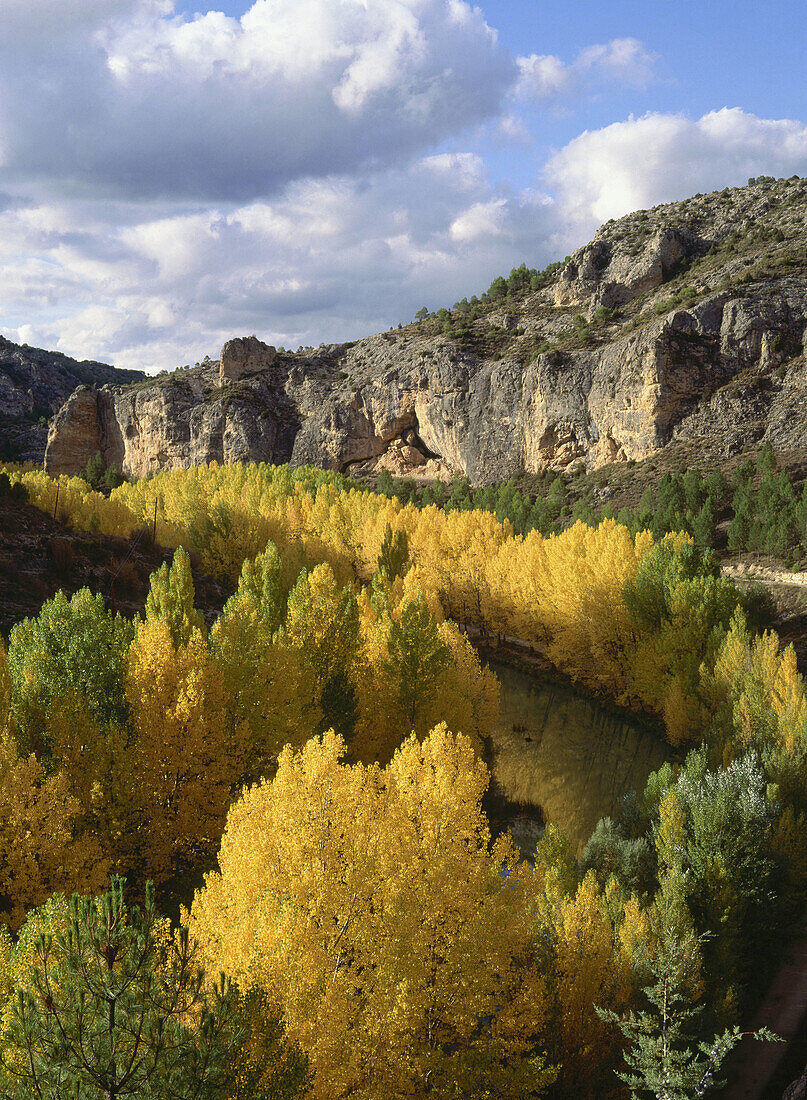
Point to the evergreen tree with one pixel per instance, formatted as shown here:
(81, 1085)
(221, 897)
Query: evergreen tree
(703, 526)
(115, 1007)
(94, 471)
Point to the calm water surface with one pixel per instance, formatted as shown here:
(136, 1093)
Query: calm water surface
(563, 753)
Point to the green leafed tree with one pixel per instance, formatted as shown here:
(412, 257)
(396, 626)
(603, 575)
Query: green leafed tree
(664, 1057)
(75, 649)
(171, 599)
(417, 658)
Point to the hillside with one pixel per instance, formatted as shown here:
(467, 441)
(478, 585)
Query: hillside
(33, 386)
(40, 555)
(681, 323)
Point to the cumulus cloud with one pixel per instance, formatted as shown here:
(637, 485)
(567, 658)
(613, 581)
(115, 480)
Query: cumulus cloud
(153, 285)
(125, 96)
(328, 260)
(661, 157)
(547, 80)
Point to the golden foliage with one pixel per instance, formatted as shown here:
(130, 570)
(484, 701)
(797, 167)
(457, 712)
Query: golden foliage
(41, 850)
(185, 771)
(368, 903)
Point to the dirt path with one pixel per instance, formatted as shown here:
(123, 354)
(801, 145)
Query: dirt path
(782, 1009)
(755, 572)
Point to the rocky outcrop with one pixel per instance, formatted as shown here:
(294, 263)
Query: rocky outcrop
(797, 1090)
(76, 434)
(682, 323)
(244, 355)
(34, 384)
(602, 275)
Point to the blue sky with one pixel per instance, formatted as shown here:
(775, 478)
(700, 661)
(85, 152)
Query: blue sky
(313, 170)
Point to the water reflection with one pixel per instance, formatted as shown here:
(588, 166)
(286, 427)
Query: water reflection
(562, 752)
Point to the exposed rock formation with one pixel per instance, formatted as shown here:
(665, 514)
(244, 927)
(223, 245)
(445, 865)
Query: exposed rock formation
(33, 386)
(797, 1090)
(603, 276)
(680, 323)
(244, 355)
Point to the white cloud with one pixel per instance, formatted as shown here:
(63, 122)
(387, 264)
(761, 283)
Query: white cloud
(311, 171)
(326, 260)
(547, 80)
(483, 219)
(464, 170)
(133, 100)
(155, 285)
(659, 158)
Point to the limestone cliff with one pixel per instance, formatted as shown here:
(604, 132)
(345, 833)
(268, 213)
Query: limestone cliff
(681, 322)
(33, 386)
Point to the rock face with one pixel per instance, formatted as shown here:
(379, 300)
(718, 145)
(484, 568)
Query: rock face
(34, 384)
(797, 1090)
(680, 323)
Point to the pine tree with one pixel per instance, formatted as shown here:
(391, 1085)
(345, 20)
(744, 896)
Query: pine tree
(107, 1011)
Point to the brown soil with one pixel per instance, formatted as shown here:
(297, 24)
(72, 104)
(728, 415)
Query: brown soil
(39, 556)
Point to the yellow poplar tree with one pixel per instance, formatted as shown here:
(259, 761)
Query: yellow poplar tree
(42, 849)
(590, 969)
(267, 687)
(185, 772)
(369, 905)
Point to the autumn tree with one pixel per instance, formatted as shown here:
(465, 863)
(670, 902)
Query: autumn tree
(588, 969)
(322, 623)
(184, 772)
(5, 688)
(266, 685)
(42, 846)
(394, 555)
(371, 905)
(417, 656)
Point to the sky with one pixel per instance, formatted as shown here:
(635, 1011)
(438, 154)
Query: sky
(173, 174)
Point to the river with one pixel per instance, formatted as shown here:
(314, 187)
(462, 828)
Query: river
(560, 756)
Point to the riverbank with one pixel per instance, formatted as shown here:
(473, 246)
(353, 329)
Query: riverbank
(520, 655)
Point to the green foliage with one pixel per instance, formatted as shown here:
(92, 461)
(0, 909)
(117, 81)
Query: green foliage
(657, 594)
(101, 476)
(171, 598)
(417, 657)
(615, 848)
(394, 556)
(729, 818)
(115, 1007)
(261, 588)
(322, 623)
(521, 281)
(74, 649)
(664, 1058)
